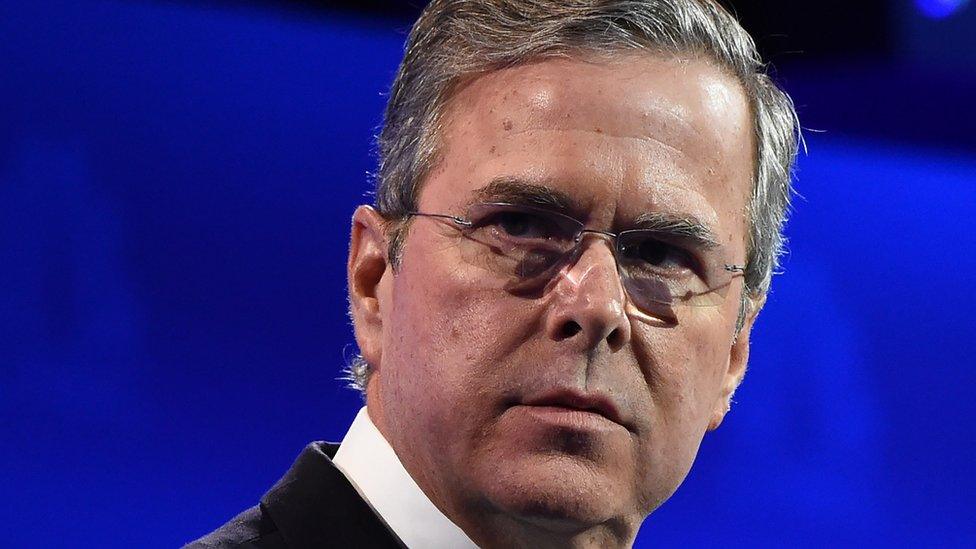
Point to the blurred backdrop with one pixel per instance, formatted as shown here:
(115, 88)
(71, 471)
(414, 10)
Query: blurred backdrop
(176, 185)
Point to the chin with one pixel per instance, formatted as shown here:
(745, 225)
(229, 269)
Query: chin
(559, 492)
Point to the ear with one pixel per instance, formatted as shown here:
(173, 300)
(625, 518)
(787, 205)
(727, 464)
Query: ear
(367, 266)
(738, 360)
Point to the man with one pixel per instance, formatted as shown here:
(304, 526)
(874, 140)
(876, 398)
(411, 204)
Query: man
(578, 212)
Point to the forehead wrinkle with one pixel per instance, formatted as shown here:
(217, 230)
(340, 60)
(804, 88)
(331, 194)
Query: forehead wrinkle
(603, 133)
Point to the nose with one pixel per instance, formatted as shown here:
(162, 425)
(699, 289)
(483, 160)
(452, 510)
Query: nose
(589, 303)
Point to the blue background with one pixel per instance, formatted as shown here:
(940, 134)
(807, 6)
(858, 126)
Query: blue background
(176, 185)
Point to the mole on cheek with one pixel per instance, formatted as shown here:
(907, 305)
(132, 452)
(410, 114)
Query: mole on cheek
(507, 125)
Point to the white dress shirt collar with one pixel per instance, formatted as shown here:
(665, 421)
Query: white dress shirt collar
(371, 465)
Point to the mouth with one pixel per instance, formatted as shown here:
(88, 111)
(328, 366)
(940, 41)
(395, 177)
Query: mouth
(575, 401)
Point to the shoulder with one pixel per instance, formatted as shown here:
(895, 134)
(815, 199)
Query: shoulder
(252, 529)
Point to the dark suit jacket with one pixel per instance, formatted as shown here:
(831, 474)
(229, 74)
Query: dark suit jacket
(313, 505)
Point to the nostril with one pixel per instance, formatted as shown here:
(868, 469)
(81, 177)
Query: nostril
(616, 339)
(569, 329)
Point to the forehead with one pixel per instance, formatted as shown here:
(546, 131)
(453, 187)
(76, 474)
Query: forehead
(621, 136)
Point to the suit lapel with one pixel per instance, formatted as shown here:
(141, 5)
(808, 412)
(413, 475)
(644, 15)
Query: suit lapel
(314, 505)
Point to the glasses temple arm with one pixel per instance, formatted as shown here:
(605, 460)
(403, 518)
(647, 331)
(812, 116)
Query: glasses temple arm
(459, 220)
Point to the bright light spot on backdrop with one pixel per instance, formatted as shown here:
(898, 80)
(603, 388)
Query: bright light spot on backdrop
(940, 9)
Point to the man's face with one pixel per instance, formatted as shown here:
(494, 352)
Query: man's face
(460, 360)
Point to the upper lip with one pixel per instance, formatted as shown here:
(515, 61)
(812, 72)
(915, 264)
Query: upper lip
(578, 400)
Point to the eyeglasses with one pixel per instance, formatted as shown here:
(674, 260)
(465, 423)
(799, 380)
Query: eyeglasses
(525, 246)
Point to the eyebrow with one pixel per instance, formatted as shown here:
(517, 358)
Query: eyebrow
(682, 226)
(523, 193)
(518, 191)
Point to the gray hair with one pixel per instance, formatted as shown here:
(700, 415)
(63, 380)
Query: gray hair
(457, 39)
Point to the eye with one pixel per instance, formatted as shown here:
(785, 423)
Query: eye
(653, 252)
(523, 225)
(657, 255)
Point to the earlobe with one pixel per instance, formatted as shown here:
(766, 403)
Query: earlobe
(738, 361)
(365, 270)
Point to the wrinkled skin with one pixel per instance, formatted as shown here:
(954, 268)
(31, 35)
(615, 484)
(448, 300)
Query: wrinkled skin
(455, 355)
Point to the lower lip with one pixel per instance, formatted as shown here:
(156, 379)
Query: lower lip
(570, 418)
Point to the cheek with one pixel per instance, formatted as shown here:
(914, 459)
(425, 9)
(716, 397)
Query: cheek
(451, 329)
(686, 364)
(439, 315)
